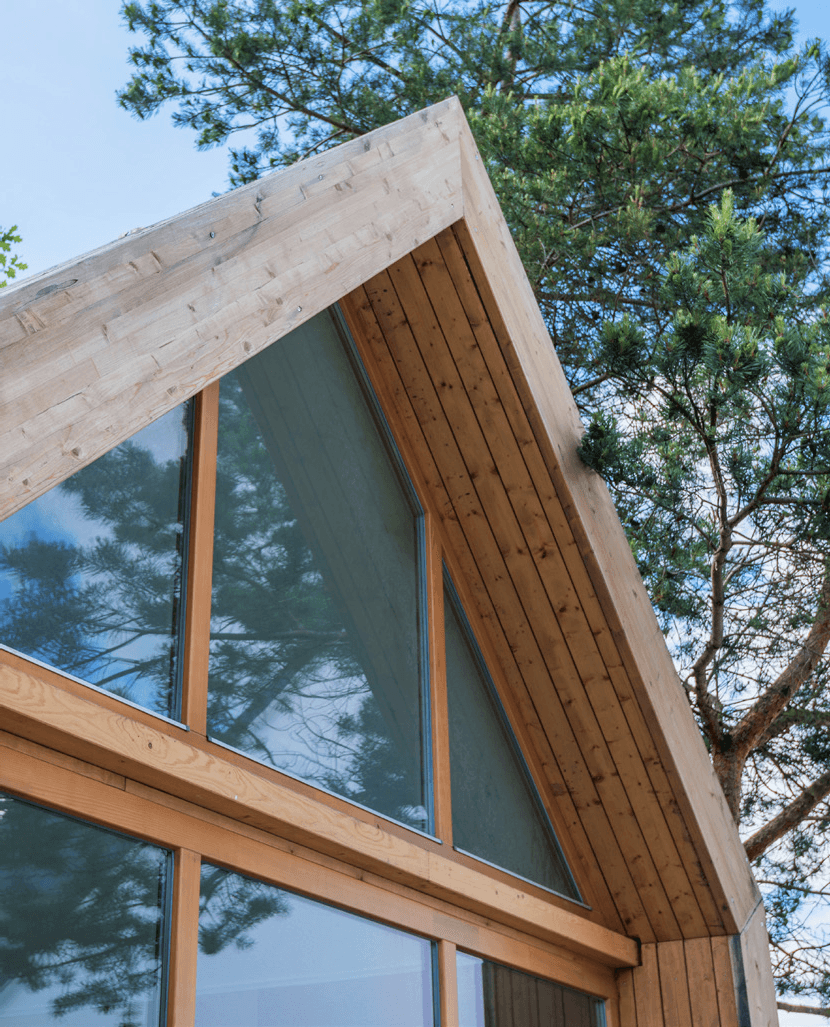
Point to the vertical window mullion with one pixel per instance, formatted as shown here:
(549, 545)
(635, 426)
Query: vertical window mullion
(447, 984)
(184, 935)
(200, 560)
(439, 716)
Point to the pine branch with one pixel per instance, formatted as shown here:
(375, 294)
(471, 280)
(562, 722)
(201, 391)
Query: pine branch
(790, 1007)
(762, 714)
(789, 817)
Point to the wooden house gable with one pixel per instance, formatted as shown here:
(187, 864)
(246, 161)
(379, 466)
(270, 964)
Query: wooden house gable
(401, 229)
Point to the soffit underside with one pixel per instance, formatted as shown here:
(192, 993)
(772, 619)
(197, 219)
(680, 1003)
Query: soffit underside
(436, 354)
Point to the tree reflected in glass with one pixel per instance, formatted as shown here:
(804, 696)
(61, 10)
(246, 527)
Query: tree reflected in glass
(91, 572)
(81, 922)
(315, 662)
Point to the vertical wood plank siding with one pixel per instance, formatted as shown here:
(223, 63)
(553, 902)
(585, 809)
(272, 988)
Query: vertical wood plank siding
(680, 983)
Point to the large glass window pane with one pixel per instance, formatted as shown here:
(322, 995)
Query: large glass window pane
(316, 637)
(268, 958)
(497, 814)
(81, 923)
(91, 572)
(491, 995)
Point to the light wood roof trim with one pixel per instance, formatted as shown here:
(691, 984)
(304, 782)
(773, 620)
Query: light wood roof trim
(629, 623)
(93, 351)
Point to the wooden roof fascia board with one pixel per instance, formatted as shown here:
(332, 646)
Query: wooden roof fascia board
(605, 550)
(480, 364)
(94, 350)
(607, 684)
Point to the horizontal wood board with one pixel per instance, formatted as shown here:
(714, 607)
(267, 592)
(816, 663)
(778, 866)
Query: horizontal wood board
(179, 762)
(30, 770)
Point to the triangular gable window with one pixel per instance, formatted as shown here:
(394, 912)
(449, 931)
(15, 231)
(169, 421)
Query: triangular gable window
(306, 599)
(316, 628)
(497, 813)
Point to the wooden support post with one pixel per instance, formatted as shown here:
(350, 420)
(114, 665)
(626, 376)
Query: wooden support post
(200, 560)
(438, 686)
(447, 984)
(184, 934)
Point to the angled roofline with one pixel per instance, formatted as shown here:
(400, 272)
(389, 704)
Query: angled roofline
(97, 348)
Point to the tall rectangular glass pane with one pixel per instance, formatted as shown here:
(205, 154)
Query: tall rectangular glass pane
(91, 573)
(269, 958)
(491, 995)
(82, 923)
(316, 634)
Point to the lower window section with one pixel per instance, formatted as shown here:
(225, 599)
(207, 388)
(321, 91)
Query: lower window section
(269, 958)
(84, 926)
(82, 922)
(490, 995)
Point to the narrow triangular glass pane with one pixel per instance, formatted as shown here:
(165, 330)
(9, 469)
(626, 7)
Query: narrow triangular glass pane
(497, 813)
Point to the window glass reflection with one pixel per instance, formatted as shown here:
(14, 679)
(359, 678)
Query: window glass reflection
(497, 814)
(269, 958)
(91, 572)
(491, 995)
(315, 661)
(81, 923)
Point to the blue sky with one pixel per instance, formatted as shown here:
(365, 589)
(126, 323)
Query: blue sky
(77, 171)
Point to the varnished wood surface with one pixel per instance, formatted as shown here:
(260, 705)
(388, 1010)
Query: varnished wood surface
(170, 761)
(177, 824)
(184, 936)
(200, 560)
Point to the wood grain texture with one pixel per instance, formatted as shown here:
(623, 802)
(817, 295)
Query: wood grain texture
(482, 510)
(630, 620)
(200, 560)
(177, 824)
(579, 614)
(440, 727)
(184, 935)
(674, 984)
(647, 992)
(405, 223)
(93, 352)
(448, 984)
(760, 987)
(703, 995)
(377, 326)
(166, 759)
(724, 982)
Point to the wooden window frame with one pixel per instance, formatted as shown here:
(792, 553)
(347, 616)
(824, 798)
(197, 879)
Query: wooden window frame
(84, 752)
